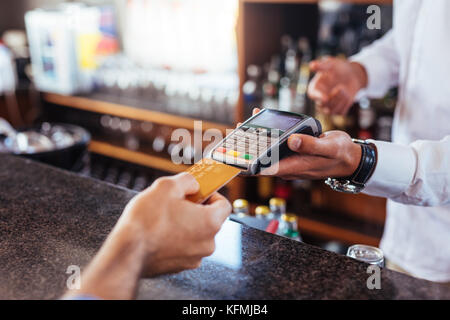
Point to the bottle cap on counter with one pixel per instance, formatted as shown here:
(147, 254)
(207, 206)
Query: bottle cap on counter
(277, 202)
(367, 254)
(289, 217)
(240, 203)
(262, 210)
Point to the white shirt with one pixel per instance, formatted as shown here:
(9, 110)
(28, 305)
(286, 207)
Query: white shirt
(414, 170)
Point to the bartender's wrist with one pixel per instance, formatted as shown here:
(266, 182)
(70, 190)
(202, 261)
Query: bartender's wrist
(354, 158)
(360, 73)
(356, 181)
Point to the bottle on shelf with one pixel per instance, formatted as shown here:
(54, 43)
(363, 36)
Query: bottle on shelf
(161, 138)
(240, 207)
(366, 119)
(384, 128)
(286, 47)
(270, 85)
(285, 95)
(264, 188)
(283, 189)
(288, 227)
(277, 207)
(263, 212)
(301, 101)
(252, 89)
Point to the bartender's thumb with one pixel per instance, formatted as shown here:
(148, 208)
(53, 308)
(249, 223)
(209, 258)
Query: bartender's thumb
(307, 145)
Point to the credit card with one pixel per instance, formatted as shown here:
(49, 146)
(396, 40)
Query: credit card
(211, 176)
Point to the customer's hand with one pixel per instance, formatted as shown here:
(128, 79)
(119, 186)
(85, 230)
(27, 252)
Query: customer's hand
(336, 83)
(176, 233)
(159, 232)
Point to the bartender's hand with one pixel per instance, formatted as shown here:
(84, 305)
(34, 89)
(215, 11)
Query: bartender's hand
(333, 154)
(159, 232)
(336, 83)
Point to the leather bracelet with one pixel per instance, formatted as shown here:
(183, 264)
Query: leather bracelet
(367, 163)
(356, 182)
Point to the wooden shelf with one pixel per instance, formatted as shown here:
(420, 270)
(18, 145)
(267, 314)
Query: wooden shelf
(136, 157)
(328, 231)
(129, 112)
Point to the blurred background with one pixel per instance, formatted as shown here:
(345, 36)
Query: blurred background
(97, 87)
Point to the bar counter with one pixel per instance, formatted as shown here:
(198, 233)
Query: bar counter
(51, 219)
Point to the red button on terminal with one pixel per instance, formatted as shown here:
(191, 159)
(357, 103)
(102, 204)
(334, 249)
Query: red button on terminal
(221, 150)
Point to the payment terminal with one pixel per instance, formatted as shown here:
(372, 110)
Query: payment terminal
(261, 140)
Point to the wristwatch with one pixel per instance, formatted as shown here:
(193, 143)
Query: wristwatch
(357, 181)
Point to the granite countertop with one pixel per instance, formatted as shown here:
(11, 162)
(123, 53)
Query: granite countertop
(51, 219)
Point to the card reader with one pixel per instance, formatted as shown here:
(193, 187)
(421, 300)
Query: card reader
(261, 140)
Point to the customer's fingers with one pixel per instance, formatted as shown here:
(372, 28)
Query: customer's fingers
(185, 184)
(218, 209)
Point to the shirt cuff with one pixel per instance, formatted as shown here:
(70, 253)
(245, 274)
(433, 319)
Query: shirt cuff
(394, 171)
(374, 70)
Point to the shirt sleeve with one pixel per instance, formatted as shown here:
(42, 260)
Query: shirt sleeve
(382, 63)
(417, 174)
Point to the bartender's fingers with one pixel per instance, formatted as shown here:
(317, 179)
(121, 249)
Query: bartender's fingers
(255, 111)
(322, 64)
(319, 88)
(309, 145)
(338, 100)
(286, 167)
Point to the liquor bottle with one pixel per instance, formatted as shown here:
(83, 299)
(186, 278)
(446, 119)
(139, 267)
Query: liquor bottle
(301, 101)
(263, 212)
(161, 138)
(290, 64)
(265, 188)
(282, 189)
(252, 89)
(384, 128)
(277, 207)
(286, 46)
(285, 95)
(240, 207)
(366, 119)
(302, 191)
(288, 227)
(270, 85)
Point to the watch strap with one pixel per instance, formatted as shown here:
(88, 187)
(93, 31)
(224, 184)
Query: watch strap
(366, 165)
(356, 182)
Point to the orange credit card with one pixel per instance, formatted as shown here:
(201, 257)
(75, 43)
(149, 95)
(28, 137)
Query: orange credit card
(211, 176)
